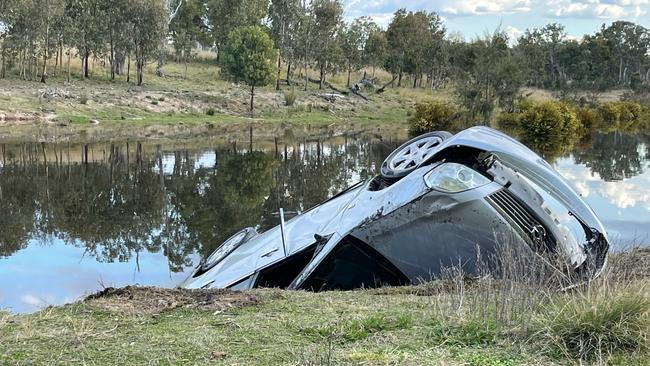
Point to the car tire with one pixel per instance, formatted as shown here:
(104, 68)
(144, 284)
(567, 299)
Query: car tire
(240, 237)
(412, 154)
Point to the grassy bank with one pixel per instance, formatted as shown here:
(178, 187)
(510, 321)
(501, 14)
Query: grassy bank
(450, 321)
(180, 105)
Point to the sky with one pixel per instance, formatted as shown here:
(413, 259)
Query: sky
(473, 18)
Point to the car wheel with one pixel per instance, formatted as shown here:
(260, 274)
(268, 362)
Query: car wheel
(227, 247)
(412, 154)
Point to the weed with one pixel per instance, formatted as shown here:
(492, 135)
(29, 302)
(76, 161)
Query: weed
(289, 97)
(597, 322)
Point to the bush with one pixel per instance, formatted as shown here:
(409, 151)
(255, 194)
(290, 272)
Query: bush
(433, 116)
(289, 97)
(617, 113)
(83, 98)
(210, 111)
(509, 120)
(589, 118)
(597, 323)
(549, 120)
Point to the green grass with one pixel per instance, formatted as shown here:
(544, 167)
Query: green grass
(399, 326)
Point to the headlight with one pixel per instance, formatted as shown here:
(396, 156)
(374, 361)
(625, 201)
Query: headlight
(452, 178)
(224, 249)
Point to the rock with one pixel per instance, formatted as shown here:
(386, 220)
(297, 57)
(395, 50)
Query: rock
(93, 121)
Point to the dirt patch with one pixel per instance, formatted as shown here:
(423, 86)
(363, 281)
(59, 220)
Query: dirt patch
(151, 300)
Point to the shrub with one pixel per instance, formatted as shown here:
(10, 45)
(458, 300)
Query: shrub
(83, 98)
(509, 120)
(617, 113)
(589, 118)
(432, 116)
(210, 111)
(549, 120)
(597, 323)
(289, 97)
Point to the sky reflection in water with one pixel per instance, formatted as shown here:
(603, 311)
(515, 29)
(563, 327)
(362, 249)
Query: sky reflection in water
(146, 216)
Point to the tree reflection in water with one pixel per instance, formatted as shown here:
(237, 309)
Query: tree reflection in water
(130, 201)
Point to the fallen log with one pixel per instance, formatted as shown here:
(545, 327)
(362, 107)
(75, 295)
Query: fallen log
(383, 88)
(330, 97)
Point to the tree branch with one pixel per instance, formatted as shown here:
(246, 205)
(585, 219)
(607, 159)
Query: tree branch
(175, 12)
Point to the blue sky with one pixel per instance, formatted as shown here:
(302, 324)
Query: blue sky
(475, 17)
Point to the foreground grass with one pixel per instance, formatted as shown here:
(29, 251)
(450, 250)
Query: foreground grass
(451, 321)
(286, 328)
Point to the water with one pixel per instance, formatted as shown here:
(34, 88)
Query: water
(120, 214)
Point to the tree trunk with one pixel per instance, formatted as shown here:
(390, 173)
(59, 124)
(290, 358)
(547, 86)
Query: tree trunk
(86, 57)
(111, 57)
(56, 60)
(2, 67)
(185, 62)
(322, 76)
(277, 79)
(128, 67)
(61, 54)
(620, 70)
(252, 99)
(47, 46)
(288, 73)
(68, 65)
(139, 70)
(399, 79)
(415, 81)
(349, 72)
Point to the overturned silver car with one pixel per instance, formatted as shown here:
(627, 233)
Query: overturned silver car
(441, 200)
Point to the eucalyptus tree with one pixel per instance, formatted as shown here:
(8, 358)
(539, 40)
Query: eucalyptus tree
(116, 15)
(352, 42)
(88, 31)
(226, 15)
(396, 35)
(149, 25)
(630, 45)
(284, 17)
(490, 76)
(188, 28)
(47, 13)
(328, 19)
(375, 49)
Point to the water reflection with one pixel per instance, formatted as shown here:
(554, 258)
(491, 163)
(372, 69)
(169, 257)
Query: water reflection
(121, 204)
(76, 217)
(613, 156)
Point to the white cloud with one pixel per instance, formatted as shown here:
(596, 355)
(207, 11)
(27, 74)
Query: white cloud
(597, 8)
(33, 300)
(513, 34)
(482, 7)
